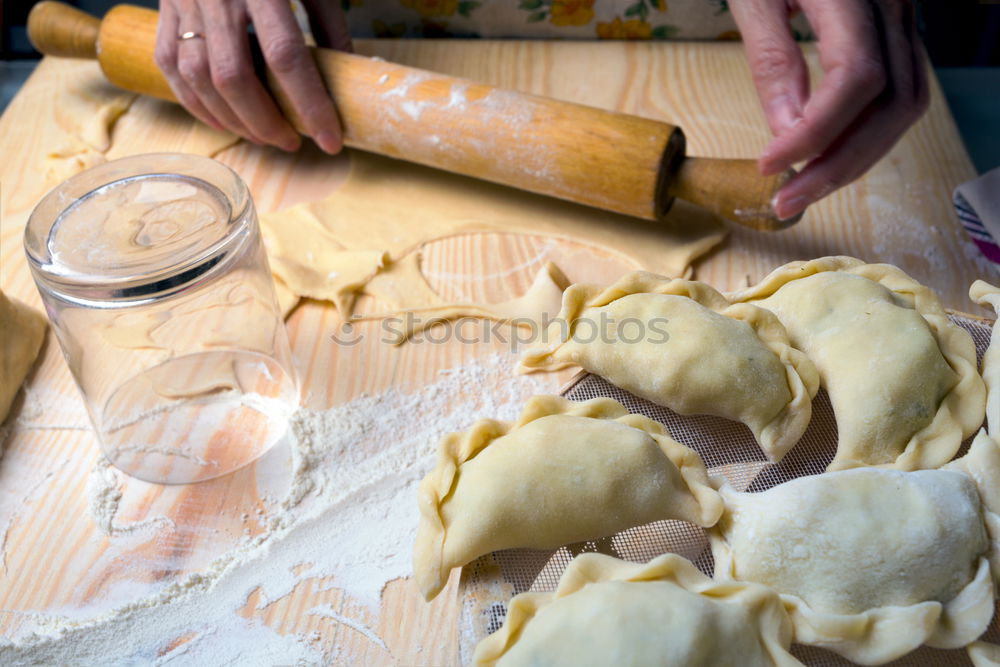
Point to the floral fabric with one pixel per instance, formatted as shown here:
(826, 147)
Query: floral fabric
(548, 19)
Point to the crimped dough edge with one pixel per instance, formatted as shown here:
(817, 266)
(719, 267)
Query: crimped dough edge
(430, 570)
(774, 627)
(982, 464)
(882, 634)
(988, 295)
(962, 409)
(776, 437)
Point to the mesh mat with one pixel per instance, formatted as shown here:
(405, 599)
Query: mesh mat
(727, 448)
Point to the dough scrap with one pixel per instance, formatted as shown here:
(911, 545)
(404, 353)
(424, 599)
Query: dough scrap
(334, 248)
(665, 612)
(86, 110)
(400, 284)
(901, 376)
(696, 353)
(69, 159)
(89, 107)
(564, 472)
(871, 562)
(23, 332)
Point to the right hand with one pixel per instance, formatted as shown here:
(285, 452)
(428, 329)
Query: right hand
(873, 89)
(213, 76)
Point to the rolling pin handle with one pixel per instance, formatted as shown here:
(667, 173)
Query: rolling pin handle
(57, 29)
(732, 189)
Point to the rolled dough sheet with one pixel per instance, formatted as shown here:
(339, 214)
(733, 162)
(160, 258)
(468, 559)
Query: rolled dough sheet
(374, 225)
(85, 109)
(81, 118)
(22, 330)
(175, 131)
(89, 108)
(366, 237)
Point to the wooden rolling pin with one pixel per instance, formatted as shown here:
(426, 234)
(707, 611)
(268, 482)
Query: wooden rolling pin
(609, 160)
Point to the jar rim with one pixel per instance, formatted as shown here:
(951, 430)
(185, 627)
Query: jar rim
(169, 267)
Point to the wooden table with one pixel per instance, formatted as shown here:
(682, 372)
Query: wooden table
(899, 213)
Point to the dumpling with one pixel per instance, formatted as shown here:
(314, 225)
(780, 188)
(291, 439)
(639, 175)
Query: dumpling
(665, 612)
(681, 344)
(983, 654)
(987, 295)
(873, 562)
(24, 330)
(564, 472)
(982, 465)
(902, 378)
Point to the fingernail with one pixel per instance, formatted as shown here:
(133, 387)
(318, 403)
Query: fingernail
(784, 113)
(290, 143)
(786, 208)
(329, 142)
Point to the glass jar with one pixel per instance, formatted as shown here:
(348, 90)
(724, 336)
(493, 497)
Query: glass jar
(154, 277)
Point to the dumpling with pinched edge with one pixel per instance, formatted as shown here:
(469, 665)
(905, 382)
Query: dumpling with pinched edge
(901, 376)
(983, 461)
(873, 562)
(681, 344)
(665, 612)
(564, 472)
(988, 295)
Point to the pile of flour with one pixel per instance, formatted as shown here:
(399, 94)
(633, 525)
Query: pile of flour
(350, 513)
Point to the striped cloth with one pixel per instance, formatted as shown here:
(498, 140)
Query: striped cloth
(977, 204)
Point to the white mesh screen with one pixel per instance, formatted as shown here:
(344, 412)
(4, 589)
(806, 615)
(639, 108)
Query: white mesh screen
(726, 447)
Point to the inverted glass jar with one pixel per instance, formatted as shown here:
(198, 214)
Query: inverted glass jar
(154, 277)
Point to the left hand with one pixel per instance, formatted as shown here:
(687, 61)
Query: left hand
(874, 87)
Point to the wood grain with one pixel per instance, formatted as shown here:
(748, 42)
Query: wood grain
(61, 30)
(56, 557)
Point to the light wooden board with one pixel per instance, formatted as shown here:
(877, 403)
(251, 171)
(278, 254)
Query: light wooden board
(55, 557)
(900, 212)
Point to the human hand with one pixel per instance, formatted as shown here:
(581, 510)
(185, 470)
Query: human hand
(874, 87)
(213, 76)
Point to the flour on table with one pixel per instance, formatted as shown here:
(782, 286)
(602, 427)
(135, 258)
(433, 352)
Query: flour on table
(104, 496)
(24, 503)
(326, 611)
(347, 520)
